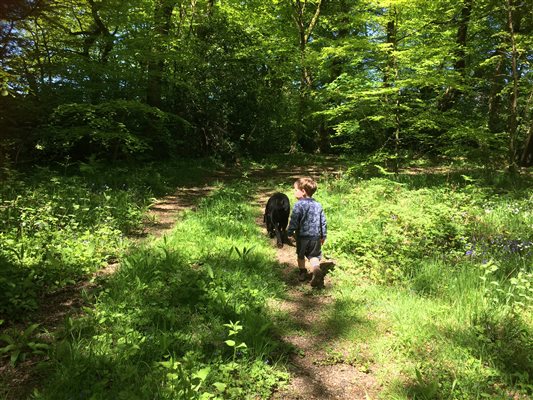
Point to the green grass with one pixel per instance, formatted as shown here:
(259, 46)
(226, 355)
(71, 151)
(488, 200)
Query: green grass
(442, 269)
(432, 291)
(161, 320)
(60, 225)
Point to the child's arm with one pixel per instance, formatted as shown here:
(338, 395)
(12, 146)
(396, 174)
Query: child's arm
(295, 218)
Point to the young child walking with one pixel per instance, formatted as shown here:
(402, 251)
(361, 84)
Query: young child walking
(308, 222)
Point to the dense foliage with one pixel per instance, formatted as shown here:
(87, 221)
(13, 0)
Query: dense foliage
(167, 77)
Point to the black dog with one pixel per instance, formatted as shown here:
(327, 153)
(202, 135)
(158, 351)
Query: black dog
(277, 217)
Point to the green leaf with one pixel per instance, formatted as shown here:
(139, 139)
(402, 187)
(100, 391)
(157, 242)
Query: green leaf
(230, 343)
(8, 348)
(7, 338)
(220, 386)
(172, 376)
(15, 356)
(210, 271)
(202, 374)
(30, 330)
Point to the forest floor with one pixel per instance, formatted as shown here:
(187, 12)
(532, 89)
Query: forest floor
(313, 376)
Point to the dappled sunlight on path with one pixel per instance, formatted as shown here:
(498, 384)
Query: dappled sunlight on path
(311, 378)
(304, 311)
(163, 213)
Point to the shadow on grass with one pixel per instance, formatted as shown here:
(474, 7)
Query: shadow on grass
(499, 362)
(343, 318)
(160, 305)
(503, 340)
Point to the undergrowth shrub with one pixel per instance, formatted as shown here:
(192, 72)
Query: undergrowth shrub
(56, 229)
(114, 130)
(504, 339)
(61, 224)
(461, 253)
(387, 228)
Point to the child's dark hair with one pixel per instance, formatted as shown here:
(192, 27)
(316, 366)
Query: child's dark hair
(308, 185)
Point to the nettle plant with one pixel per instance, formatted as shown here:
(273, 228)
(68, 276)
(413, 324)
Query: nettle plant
(179, 382)
(183, 379)
(234, 328)
(515, 295)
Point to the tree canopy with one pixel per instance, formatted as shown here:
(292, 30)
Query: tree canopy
(152, 78)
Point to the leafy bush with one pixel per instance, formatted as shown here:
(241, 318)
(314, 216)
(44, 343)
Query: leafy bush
(390, 227)
(116, 130)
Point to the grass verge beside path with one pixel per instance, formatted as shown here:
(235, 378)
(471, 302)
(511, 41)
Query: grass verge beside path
(184, 317)
(434, 282)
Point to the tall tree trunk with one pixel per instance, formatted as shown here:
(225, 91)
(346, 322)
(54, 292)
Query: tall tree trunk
(495, 122)
(336, 69)
(451, 94)
(513, 118)
(304, 32)
(527, 155)
(391, 42)
(99, 31)
(162, 20)
(390, 76)
(526, 160)
(102, 31)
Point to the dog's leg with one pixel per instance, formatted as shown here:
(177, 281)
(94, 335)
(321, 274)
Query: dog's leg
(278, 235)
(270, 225)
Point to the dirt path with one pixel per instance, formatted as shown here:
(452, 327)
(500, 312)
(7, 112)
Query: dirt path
(314, 375)
(161, 219)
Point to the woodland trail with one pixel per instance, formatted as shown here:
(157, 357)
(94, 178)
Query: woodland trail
(69, 301)
(314, 375)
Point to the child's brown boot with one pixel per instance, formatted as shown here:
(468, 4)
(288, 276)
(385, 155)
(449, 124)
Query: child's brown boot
(317, 281)
(302, 275)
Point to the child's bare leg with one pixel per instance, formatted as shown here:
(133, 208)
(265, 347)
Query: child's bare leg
(302, 270)
(318, 276)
